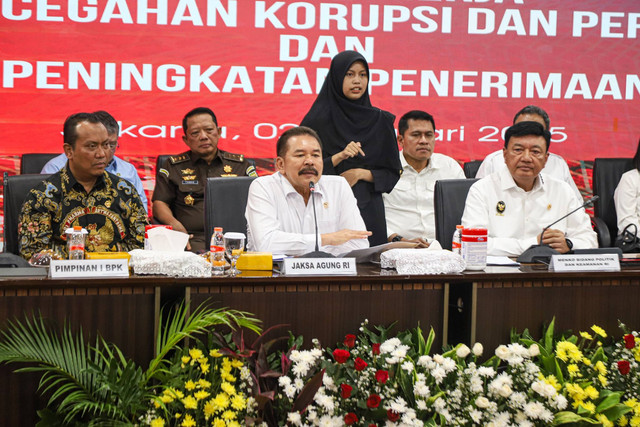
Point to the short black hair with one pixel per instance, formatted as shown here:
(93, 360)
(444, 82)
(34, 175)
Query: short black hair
(534, 110)
(195, 112)
(69, 130)
(525, 129)
(403, 123)
(636, 158)
(109, 122)
(281, 145)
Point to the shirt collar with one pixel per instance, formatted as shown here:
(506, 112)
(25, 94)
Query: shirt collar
(195, 156)
(508, 183)
(288, 188)
(100, 181)
(431, 165)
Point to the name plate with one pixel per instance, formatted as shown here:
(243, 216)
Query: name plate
(584, 262)
(89, 268)
(319, 266)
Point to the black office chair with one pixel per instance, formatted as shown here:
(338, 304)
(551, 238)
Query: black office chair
(32, 163)
(449, 198)
(471, 168)
(16, 189)
(606, 176)
(225, 200)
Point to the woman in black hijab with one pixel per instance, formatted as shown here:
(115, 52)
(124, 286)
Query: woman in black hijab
(358, 140)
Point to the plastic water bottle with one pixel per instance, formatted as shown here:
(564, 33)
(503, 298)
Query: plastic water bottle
(456, 241)
(75, 242)
(216, 250)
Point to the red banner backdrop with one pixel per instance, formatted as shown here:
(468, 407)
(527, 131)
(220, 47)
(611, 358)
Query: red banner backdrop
(259, 64)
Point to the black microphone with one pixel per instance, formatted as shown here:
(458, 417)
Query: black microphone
(317, 253)
(542, 252)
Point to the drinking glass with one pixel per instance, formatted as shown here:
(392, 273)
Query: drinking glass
(233, 247)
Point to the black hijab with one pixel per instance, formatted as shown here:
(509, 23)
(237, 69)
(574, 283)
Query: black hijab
(339, 120)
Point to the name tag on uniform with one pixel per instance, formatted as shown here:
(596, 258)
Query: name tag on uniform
(190, 182)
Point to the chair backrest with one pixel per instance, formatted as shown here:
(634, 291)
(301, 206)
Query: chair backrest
(606, 176)
(225, 200)
(16, 189)
(471, 168)
(32, 163)
(449, 198)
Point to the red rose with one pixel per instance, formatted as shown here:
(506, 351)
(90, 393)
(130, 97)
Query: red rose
(623, 367)
(373, 401)
(393, 415)
(382, 376)
(345, 390)
(350, 340)
(375, 348)
(341, 356)
(629, 341)
(372, 425)
(350, 419)
(359, 364)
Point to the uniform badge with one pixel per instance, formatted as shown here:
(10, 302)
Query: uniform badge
(188, 200)
(227, 168)
(188, 177)
(187, 171)
(549, 207)
(500, 207)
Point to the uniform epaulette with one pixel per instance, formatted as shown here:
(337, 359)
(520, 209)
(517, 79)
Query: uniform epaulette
(233, 157)
(180, 158)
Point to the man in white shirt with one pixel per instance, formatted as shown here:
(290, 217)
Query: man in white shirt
(280, 207)
(517, 202)
(556, 166)
(409, 207)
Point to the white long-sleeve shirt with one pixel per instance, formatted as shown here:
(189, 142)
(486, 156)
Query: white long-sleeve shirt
(556, 167)
(278, 220)
(525, 213)
(408, 208)
(627, 200)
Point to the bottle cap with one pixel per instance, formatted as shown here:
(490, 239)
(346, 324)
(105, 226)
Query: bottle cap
(77, 228)
(217, 229)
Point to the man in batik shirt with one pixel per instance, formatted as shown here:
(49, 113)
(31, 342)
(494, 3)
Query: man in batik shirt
(82, 193)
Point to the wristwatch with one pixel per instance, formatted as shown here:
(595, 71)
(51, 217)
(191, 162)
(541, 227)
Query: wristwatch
(569, 244)
(397, 238)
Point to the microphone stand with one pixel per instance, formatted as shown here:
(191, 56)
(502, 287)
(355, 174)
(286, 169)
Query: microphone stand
(542, 252)
(317, 253)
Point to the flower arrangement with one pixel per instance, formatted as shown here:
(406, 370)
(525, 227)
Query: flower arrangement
(370, 379)
(204, 388)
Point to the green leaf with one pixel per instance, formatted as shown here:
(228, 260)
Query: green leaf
(567, 417)
(548, 337)
(610, 400)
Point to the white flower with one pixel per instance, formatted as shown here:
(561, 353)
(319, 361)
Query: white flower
(294, 418)
(424, 361)
(407, 366)
(476, 416)
(486, 371)
(477, 349)
(476, 384)
(561, 402)
(438, 359)
(503, 352)
(298, 383)
(518, 399)
(534, 350)
(290, 391)
(284, 381)
(448, 364)
(327, 381)
(463, 351)
(300, 369)
(421, 404)
(421, 389)
(533, 410)
(505, 391)
(389, 345)
(482, 402)
(439, 374)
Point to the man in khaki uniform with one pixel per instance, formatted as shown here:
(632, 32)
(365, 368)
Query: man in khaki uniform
(178, 198)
